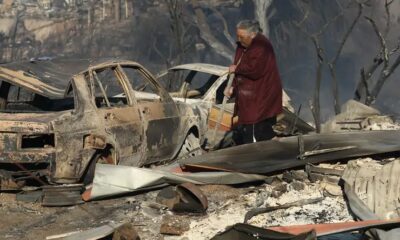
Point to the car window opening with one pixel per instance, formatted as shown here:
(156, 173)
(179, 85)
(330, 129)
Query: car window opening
(144, 89)
(108, 90)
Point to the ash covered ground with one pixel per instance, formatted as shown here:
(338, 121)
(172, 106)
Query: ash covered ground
(227, 206)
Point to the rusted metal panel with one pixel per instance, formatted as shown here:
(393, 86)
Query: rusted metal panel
(334, 228)
(28, 157)
(227, 121)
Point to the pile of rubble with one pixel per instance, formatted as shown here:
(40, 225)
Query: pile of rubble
(297, 187)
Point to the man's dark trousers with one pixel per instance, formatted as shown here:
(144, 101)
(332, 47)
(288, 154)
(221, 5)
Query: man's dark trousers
(249, 133)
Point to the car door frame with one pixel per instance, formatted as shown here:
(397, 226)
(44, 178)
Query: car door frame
(137, 155)
(169, 107)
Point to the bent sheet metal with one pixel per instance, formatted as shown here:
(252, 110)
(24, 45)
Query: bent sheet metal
(271, 156)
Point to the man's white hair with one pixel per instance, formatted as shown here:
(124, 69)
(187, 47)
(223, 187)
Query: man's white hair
(251, 26)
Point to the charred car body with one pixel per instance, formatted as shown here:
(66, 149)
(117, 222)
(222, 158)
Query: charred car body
(202, 85)
(59, 117)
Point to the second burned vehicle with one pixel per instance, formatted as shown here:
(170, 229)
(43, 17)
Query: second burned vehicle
(202, 85)
(59, 117)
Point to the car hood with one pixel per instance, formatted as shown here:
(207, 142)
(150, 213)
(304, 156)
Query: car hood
(28, 122)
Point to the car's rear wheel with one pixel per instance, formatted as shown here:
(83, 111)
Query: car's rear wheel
(191, 147)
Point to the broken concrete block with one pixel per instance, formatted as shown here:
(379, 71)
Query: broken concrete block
(278, 190)
(299, 175)
(297, 185)
(314, 177)
(351, 118)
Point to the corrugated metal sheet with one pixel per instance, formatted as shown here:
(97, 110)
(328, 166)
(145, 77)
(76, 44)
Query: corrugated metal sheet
(378, 186)
(270, 156)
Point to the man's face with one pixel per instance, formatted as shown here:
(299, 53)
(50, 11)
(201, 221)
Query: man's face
(244, 37)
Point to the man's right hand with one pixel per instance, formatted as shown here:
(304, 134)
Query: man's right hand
(232, 68)
(228, 91)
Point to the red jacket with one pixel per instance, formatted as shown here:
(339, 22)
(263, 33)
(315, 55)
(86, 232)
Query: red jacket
(257, 84)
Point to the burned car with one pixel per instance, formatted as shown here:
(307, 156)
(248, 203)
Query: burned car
(60, 117)
(203, 85)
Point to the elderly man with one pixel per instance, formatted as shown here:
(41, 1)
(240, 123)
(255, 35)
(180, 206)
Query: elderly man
(257, 85)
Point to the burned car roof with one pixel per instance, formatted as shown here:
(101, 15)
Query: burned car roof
(49, 78)
(203, 67)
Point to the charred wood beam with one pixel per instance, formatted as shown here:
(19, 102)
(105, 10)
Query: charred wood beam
(328, 171)
(257, 211)
(4, 90)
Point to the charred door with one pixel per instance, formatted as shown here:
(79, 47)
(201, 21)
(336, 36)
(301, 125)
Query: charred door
(160, 114)
(121, 116)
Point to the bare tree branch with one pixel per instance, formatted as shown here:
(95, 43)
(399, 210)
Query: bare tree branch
(206, 35)
(226, 31)
(381, 40)
(385, 58)
(316, 99)
(175, 13)
(387, 11)
(365, 77)
(327, 24)
(261, 8)
(315, 102)
(393, 51)
(395, 65)
(347, 34)
(322, 59)
(332, 63)
(364, 81)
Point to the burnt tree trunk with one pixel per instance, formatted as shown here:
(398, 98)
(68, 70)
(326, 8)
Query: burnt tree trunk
(117, 10)
(206, 33)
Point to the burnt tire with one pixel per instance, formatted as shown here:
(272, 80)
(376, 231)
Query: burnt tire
(191, 147)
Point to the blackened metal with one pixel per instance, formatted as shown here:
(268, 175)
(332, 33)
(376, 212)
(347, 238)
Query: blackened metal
(241, 231)
(271, 156)
(62, 195)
